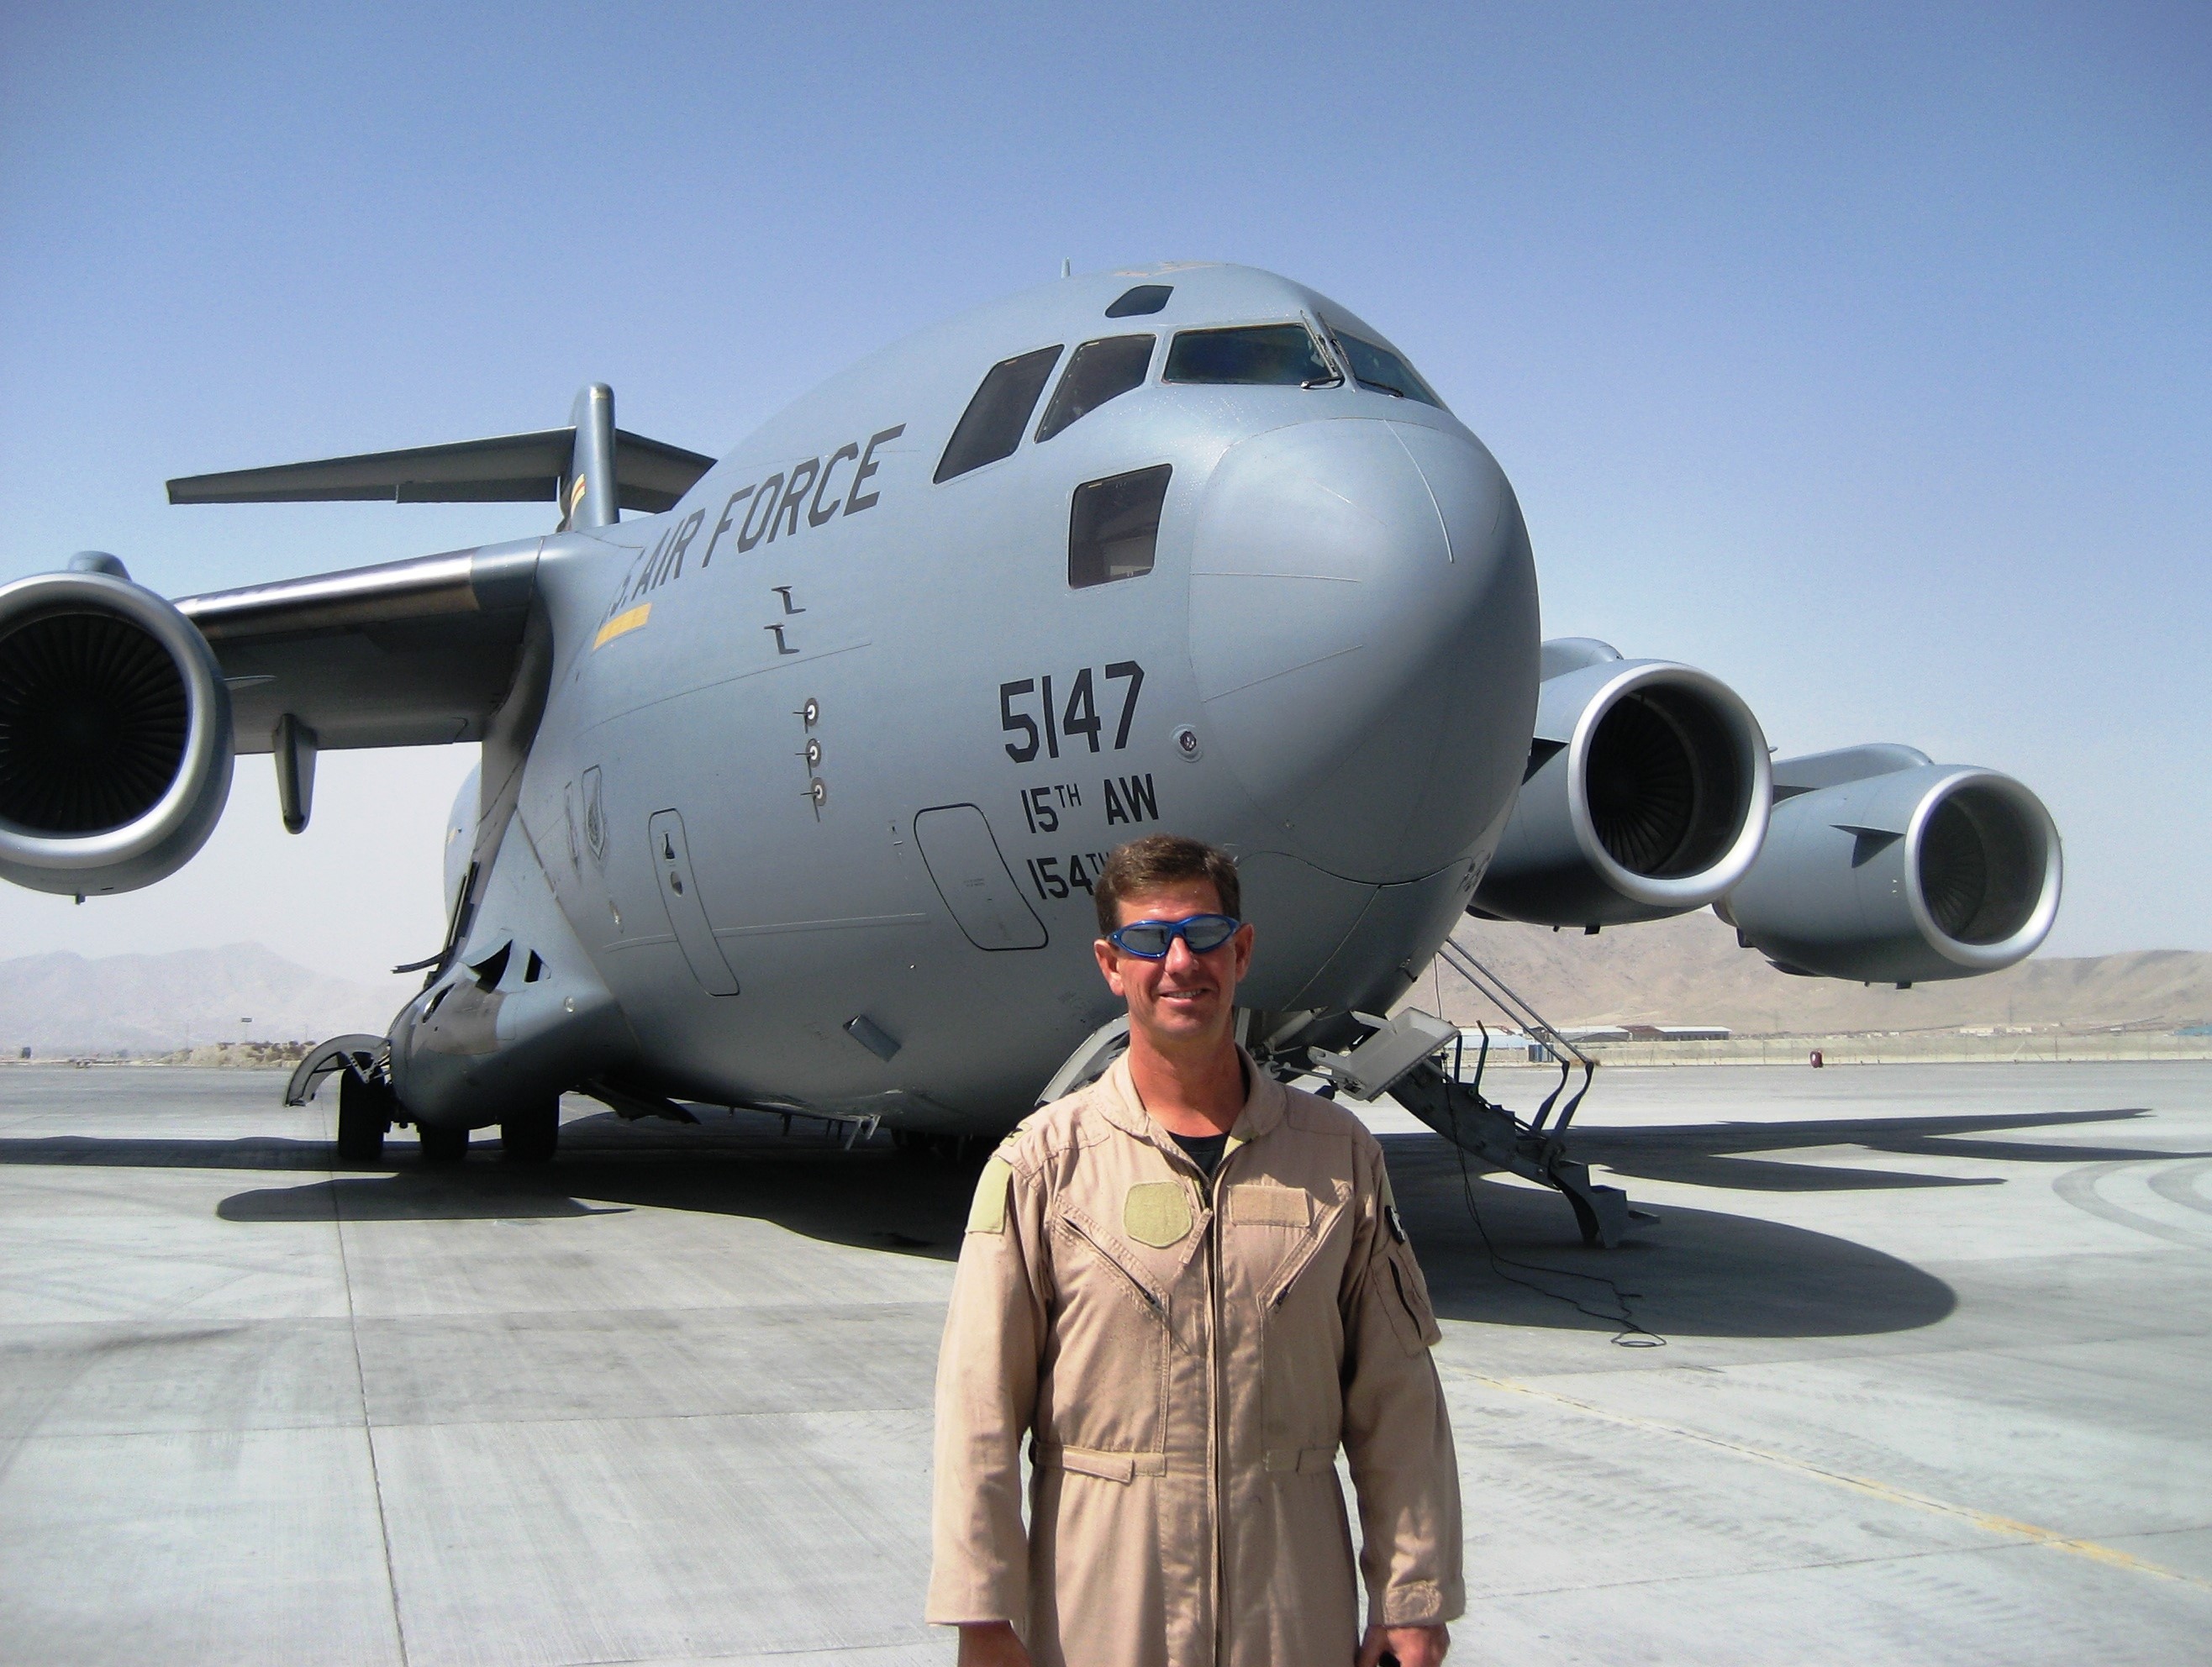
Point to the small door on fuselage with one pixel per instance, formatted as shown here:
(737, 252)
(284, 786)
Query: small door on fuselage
(687, 910)
(973, 878)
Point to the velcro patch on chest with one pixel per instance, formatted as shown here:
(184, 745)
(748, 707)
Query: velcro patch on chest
(1267, 1205)
(1157, 1213)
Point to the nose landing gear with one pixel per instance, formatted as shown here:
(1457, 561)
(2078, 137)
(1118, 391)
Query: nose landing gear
(532, 1136)
(442, 1144)
(365, 1107)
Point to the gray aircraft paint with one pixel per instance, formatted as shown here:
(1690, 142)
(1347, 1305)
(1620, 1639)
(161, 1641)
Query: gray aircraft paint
(1341, 618)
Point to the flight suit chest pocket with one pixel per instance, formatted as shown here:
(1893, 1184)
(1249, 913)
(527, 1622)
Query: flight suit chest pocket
(1275, 1230)
(1101, 1267)
(1111, 1343)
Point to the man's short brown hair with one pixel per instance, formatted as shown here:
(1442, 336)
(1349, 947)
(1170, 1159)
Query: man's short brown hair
(1158, 860)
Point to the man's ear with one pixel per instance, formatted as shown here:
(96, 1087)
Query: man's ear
(1109, 964)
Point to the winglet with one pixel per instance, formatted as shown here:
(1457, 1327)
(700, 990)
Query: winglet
(588, 495)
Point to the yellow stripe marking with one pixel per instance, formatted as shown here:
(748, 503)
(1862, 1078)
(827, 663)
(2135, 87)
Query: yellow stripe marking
(576, 493)
(622, 623)
(1985, 1520)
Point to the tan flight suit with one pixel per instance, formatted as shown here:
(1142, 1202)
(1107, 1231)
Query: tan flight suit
(1186, 1363)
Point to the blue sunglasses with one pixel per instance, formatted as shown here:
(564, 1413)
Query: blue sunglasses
(1151, 940)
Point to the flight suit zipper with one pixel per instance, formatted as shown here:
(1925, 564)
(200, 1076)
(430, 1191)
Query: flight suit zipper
(1209, 1188)
(1209, 1191)
(1219, 1457)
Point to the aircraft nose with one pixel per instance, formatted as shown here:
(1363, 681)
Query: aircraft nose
(1364, 626)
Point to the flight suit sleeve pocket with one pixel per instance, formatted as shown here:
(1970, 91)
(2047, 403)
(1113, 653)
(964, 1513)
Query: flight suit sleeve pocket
(1407, 1297)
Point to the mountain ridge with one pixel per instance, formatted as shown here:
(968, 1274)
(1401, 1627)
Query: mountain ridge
(1690, 970)
(61, 1002)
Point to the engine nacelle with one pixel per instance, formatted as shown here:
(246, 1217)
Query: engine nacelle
(1646, 794)
(1883, 867)
(115, 741)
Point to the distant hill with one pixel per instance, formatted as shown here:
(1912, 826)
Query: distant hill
(63, 1003)
(1689, 971)
(1685, 970)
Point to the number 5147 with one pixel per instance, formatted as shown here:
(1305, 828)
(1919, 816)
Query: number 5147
(1077, 716)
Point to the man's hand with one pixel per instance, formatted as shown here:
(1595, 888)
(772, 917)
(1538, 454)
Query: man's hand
(1414, 1646)
(993, 1644)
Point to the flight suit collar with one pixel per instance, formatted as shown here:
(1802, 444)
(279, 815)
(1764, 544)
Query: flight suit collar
(1124, 1108)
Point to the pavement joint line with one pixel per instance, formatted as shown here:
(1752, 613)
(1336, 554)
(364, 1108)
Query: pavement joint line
(1985, 1520)
(564, 1419)
(368, 1432)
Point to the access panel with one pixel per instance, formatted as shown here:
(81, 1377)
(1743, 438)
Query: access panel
(973, 880)
(687, 912)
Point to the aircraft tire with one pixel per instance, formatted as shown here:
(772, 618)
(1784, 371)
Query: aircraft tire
(533, 1136)
(364, 1113)
(441, 1145)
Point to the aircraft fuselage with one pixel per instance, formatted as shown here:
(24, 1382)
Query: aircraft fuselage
(830, 752)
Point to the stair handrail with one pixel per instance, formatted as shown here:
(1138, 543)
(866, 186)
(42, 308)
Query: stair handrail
(1523, 1012)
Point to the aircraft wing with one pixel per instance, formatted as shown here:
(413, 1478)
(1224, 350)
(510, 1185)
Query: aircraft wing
(403, 654)
(650, 475)
(418, 652)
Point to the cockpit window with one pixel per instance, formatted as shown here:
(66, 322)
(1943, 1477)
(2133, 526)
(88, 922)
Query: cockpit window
(1098, 372)
(1145, 297)
(1272, 355)
(1383, 371)
(991, 426)
(1113, 526)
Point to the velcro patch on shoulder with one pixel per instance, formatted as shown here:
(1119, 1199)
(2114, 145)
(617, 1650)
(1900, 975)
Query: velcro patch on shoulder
(1268, 1205)
(987, 1214)
(1157, 1213)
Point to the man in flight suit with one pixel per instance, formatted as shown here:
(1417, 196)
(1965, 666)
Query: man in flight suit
(1187, 1284)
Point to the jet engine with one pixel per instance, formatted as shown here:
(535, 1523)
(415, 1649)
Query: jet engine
(115, 738)
(1884, 867)
(1646, 794)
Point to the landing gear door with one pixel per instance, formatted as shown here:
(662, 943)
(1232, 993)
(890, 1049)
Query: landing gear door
(974, 879)
(687, 913)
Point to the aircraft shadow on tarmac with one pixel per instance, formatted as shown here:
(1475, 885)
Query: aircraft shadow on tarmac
(1698, 1273)
(1710, 1154)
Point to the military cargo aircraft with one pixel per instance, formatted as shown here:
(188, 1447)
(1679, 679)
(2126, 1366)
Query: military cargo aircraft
(794, 782)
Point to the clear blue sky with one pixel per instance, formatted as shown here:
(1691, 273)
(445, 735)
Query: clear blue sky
(1861, 355)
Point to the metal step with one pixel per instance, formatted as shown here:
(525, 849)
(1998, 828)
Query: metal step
(1490, 1134)
(1399, 1058)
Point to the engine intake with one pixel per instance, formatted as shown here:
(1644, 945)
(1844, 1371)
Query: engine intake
(1646, 794)
(115, 733)
(1883, 867)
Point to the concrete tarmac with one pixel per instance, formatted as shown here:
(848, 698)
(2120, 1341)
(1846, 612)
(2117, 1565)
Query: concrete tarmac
(1913, 1368)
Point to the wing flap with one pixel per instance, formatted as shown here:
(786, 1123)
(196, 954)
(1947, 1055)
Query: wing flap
(406, 653)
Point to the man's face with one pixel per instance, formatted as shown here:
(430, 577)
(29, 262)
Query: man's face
(1186, 998)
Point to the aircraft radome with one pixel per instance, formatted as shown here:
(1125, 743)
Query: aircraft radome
(794, 786)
